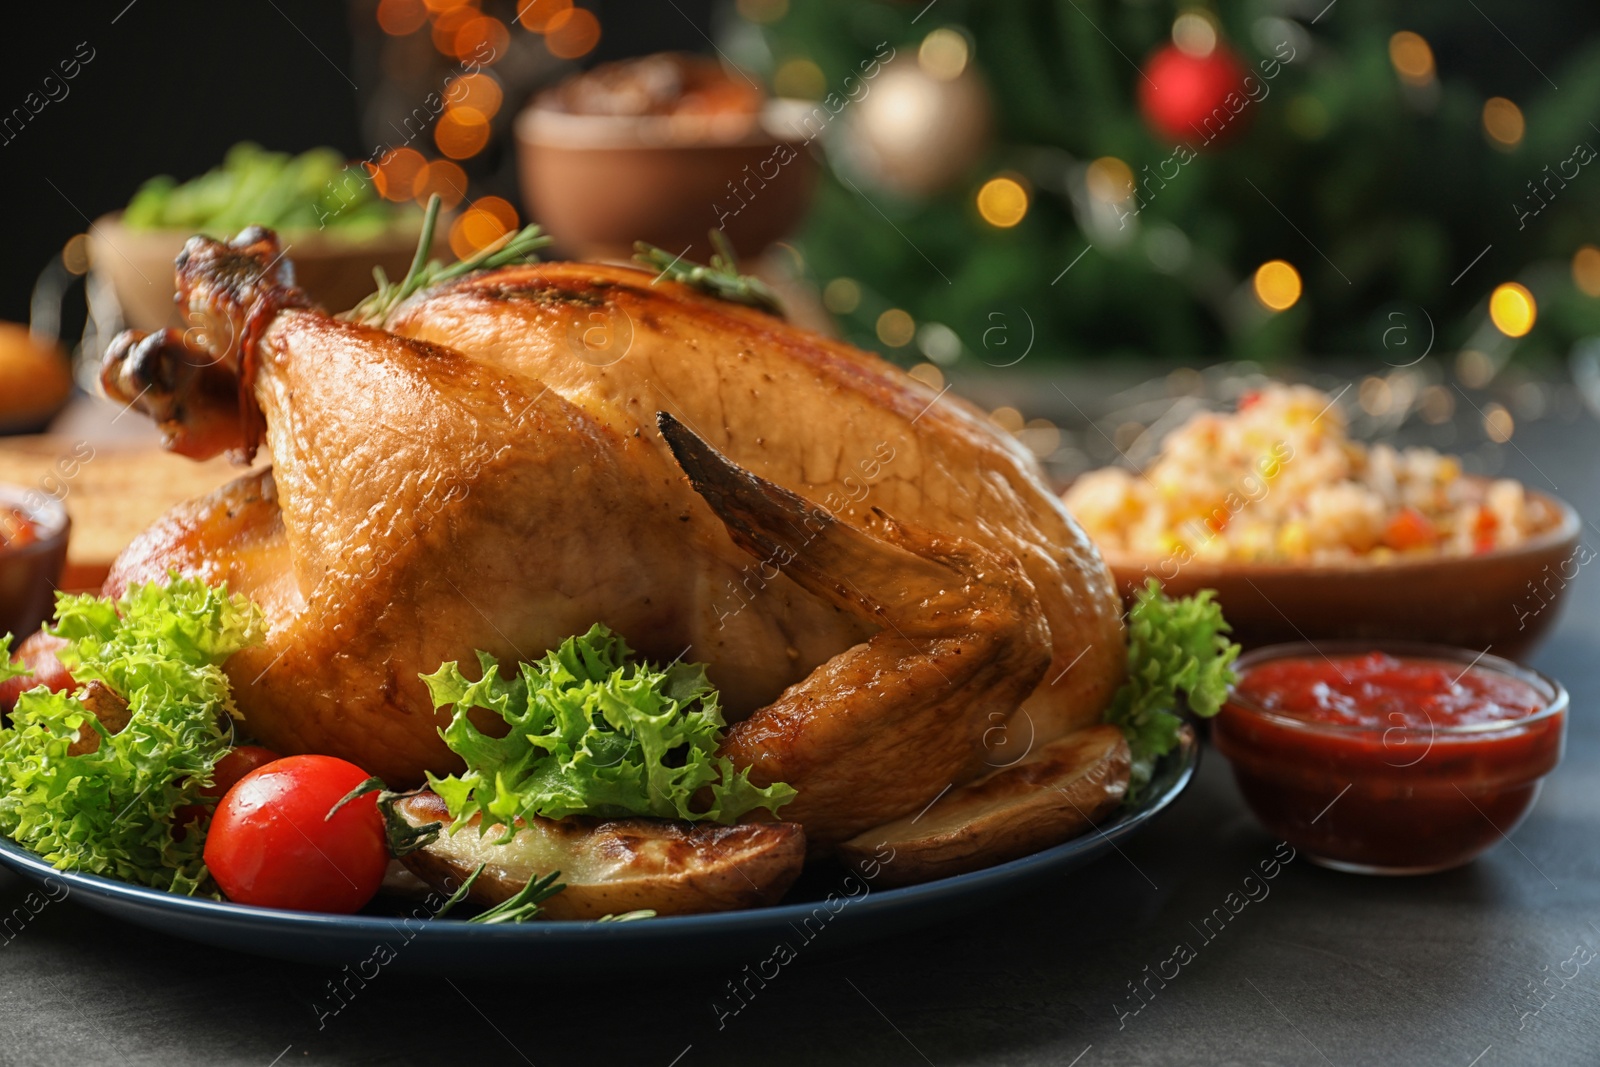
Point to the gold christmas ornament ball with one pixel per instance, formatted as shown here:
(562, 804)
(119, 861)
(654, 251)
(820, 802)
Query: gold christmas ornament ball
(915, 134)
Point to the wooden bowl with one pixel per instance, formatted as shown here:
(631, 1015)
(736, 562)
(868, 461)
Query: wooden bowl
(336, 271)
(30, 574)
(1506, 599)
(598, 183)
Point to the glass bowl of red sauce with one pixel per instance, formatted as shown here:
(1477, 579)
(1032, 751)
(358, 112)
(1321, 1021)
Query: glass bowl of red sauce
(1400, 759)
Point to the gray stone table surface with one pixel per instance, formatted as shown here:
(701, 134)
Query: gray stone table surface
(1327, 968)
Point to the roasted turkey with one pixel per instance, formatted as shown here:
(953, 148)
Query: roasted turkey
(889, 597)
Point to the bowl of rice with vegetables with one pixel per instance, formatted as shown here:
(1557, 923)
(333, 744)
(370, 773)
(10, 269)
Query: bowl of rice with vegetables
(1306, 533)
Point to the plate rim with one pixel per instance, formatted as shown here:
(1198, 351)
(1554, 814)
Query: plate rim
(31, 865)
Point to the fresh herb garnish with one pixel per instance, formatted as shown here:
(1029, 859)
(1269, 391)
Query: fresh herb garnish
(521, 907)
(721, 279)
(111, 811)
(592, 732)
(1176, 652)
(519, 247)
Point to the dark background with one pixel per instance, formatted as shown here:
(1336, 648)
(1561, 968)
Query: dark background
(174, 83)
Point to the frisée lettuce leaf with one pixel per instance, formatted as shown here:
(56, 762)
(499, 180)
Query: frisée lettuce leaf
(111, 811)
(1177, 658)
(592, 732)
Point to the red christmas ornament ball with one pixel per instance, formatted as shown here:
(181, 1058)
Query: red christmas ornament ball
(1183, 96)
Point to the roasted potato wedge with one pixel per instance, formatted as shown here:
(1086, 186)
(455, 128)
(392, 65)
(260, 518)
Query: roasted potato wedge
(1055, 793)
(610, 866)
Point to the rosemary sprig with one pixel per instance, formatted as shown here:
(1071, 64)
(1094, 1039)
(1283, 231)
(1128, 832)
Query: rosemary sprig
(721, 279)
(628, 916)
(524, 905)
(519, 247)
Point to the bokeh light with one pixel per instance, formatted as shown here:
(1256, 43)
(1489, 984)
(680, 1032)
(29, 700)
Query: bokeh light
(1277, 285)
(481, 92)
(799, 78)
(763, 10)
(461, 132)
(841, 296)
(1512, 309)
(943, 55)
(75, 253)
(1195, 34)
(896, 328)
(928, 375)
(1109, 180)
(1002, 202)
(448, 23)
(401, 17)
(1498, 424)
(1412, 58)
(395, 172)
(482, 40)
(1007, 418)
(481, 225)
(572, 33)
(535, 15)
(442, 178)
(1586, 270)
(1503, 122)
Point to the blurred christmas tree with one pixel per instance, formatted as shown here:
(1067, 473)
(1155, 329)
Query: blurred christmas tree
(1250, 178)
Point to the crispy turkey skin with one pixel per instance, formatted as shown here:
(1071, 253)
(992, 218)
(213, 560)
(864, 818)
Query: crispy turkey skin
(486, 471)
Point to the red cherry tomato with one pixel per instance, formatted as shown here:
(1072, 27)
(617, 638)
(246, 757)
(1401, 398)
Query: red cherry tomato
(234, 765)
(272, 845)
(38, 654)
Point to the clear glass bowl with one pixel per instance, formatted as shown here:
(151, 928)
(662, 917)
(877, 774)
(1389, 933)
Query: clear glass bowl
(1401, 799)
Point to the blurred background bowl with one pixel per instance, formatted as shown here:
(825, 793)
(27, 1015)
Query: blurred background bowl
(598, 183)
(335, 270)
(1508, 598)
(30, 573)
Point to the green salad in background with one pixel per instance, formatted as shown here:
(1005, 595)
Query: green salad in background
(315, 190)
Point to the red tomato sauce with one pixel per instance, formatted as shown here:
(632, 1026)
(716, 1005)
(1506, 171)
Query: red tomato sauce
(16, 529)
(1392, 763)
(1378, 690)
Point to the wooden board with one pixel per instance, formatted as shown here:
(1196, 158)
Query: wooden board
(112, 491)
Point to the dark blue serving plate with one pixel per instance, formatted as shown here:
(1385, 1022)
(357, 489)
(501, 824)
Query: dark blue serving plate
(834, 908)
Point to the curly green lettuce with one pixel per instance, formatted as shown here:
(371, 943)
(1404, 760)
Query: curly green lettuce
(111, 811)
(1177, 658)
(592, 732)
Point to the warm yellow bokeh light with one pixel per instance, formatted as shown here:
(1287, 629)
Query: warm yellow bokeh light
(481, 225)
(1002, 202)
(572, 33)
(1109, 179)
(1277, 285)
(75, 253)
(799, 78)
(943, 55)
(478, 91)
(896, 328)
(841, 296)
(1195, 34)
(536, 15)
(763, 10)
(1498, 425)
(1503, 122)
(1586, 270)
(928, 375)
(1412, 58)
(461, 132)
(400, 17)
(395, 172)
(1512, 309)
(440, 178)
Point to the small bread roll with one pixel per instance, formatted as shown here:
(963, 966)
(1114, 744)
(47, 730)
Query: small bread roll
(35, 379)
